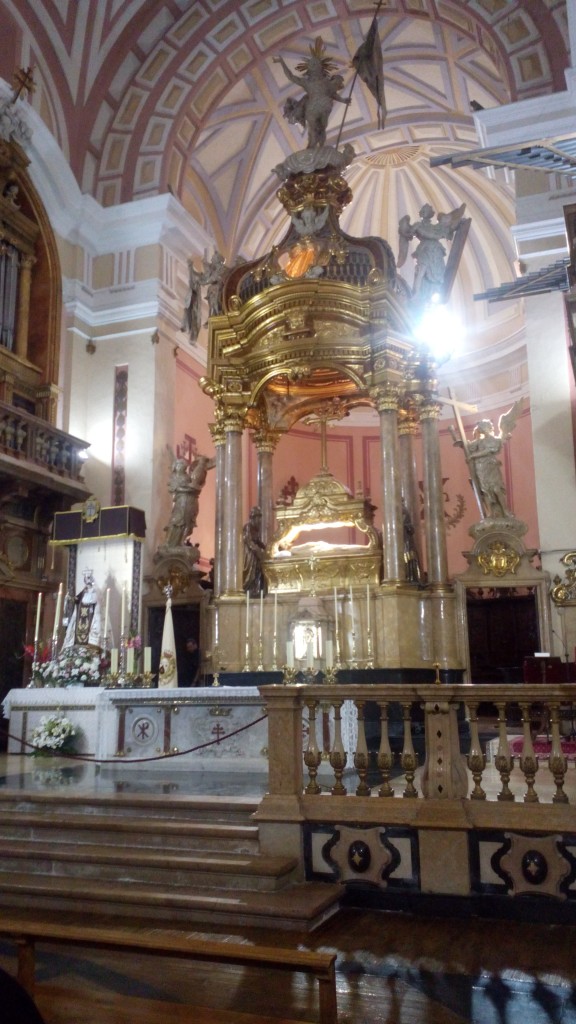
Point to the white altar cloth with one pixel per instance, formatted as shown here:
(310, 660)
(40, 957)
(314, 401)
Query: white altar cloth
(189, 728)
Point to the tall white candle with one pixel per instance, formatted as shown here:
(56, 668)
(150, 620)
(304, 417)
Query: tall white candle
(114, 660)
(290, 653)
(351, 609)
(309, 654)
(58, 613)
(130, 661)
(38, 616)
(335, 611)
(123, 611)
(368, 607)
(275, 612)
(147, 659)
(329, 654)
(247, 612)
(261, 611)
(106, 612)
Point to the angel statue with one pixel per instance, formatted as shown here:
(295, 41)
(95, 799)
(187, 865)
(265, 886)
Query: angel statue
(485, 467)
(321, 89)
(430, 254)
(186, 482)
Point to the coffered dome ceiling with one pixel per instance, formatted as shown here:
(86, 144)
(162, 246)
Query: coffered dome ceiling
(149, 95)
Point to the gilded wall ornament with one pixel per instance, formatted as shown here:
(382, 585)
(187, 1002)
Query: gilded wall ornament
(564, 590)
(498, 560)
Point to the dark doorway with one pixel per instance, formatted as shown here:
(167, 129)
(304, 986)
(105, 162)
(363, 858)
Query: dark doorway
(12, 640)
(186, 619)
(502, 631)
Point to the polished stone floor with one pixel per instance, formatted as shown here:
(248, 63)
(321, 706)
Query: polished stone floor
(391, 968)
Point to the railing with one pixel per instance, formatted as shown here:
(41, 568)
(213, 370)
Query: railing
(29, 439)
(420, 742)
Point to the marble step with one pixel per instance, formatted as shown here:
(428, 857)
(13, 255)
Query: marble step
(170, 807)
(140, 832)
(148, 867)
(302, 907)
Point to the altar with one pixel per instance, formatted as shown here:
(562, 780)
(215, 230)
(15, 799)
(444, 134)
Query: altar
(199, 728)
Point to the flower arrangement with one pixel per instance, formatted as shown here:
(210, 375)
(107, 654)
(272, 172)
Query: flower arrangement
(76, 666)
(54, 734)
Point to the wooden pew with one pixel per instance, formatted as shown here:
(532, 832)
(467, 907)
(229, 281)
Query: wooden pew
(26, 932)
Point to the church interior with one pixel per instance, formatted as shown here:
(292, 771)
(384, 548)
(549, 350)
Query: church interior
(288, 473)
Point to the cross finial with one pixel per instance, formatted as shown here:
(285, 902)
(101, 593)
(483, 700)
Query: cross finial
(23, 82)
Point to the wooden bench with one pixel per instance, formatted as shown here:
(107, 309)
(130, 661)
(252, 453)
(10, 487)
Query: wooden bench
(26, 932)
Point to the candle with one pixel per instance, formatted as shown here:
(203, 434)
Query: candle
(123, 610)
(58, 612)
(130, 661)
(247, 613)
(114, 660)
(106, 612)
(329, 654)
(261, 611)
(309, 654)
(147, 659)
(335, 611)
(351, 609)
(38, 614)
(275, 612)
(290, 653)
(368, 607)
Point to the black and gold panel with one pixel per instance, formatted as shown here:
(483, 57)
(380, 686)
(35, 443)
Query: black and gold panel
(517, 864)
(386, 858)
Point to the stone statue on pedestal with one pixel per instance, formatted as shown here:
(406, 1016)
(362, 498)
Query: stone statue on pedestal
(485, 467)
(321, 90)
(185, 485)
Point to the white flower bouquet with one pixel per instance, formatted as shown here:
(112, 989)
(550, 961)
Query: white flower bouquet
(55, 734)
(78, 666)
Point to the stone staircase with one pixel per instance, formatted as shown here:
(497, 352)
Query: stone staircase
(178, 858)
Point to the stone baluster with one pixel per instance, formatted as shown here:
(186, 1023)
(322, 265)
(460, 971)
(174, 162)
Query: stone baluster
(361, 753)
(385, 758)
(503, 761)
(558, 762)
(338, 756)
(528, 759)
(476, 757)
(408, 757)
(312, 754)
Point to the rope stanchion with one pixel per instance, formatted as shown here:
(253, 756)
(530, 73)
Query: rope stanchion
(139, 760)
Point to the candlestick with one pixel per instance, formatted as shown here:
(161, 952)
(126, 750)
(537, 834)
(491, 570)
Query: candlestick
(247, 636)
(38, 614)
(57, 615)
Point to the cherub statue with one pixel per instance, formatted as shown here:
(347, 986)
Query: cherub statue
(321, 90)
(429, 253)
(485, 467)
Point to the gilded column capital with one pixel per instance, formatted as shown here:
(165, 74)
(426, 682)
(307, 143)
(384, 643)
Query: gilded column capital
(408, 422)
(430, 410)
(266, 440)
(218, 433)
(386, 397)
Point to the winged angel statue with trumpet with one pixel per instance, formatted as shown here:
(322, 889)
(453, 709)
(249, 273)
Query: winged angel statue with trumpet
(485, 467)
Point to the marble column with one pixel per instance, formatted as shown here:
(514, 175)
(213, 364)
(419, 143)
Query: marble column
(265, 442)
(219, 439)
(386, 401)
(232, 560)
(407, 431)
(437, 557)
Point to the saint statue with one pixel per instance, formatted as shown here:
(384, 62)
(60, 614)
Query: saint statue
(84, 626)
(191, 318)
(485, 467)
(321, 90)
(254, 550)
(214, 272)
(430, 254)
(185, 484)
